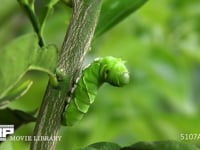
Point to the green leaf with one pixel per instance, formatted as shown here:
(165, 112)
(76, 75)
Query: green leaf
(22, 55)
(161, 145)
(45, 60)
(102, 146)
(16, 58)
(114, 11)
(16, 93)
(16, 117)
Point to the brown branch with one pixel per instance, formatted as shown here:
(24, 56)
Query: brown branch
(76, 44)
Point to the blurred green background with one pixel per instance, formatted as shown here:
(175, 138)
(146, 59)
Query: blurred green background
(160, 43)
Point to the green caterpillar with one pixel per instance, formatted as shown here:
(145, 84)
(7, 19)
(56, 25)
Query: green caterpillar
(108, 69)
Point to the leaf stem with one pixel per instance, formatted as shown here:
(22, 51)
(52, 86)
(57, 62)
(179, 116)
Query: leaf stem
(29, 9)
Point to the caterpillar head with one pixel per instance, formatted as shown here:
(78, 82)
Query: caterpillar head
(114, 71)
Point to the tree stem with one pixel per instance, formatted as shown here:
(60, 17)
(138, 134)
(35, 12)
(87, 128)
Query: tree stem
(76, 44)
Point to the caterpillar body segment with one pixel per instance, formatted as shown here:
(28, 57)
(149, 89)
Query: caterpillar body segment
(108, 69)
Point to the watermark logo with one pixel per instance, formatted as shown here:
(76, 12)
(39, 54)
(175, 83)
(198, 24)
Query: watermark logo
(5, 130)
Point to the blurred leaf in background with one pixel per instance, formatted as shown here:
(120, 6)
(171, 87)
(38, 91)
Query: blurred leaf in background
(161, 45)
